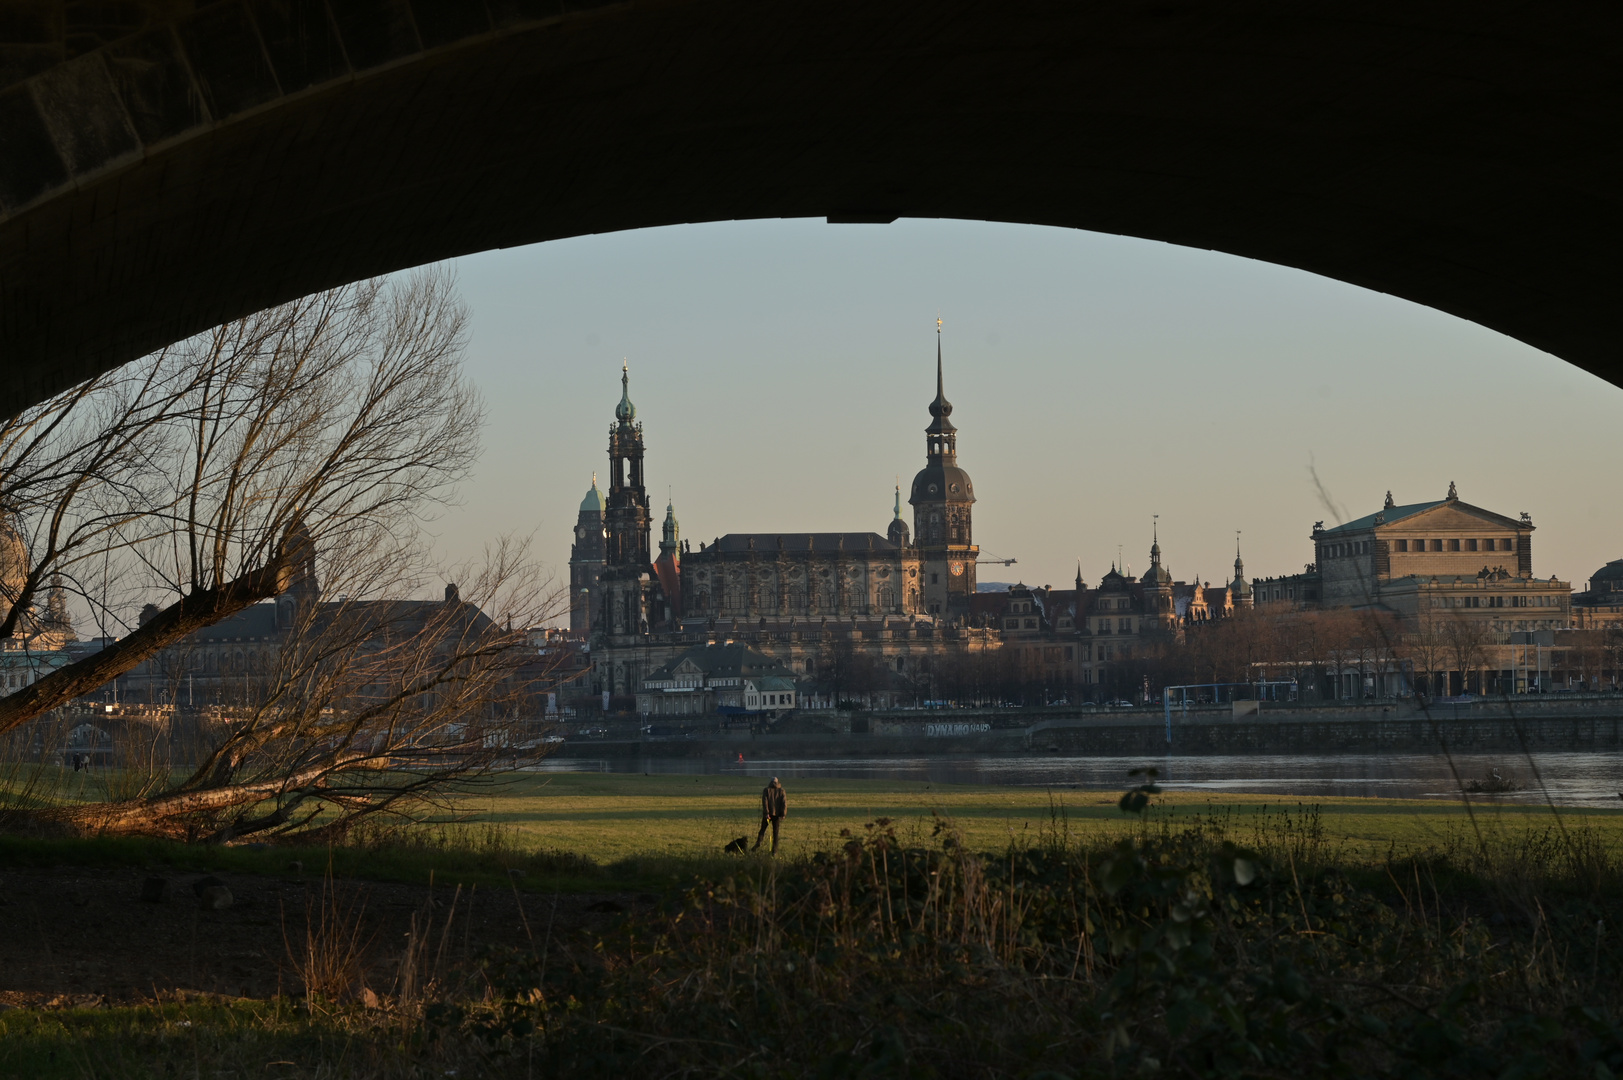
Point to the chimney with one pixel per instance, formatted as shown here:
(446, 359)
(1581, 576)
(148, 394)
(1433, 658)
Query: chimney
(451, 596)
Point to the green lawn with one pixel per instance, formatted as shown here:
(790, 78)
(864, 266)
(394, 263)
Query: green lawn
(616, 816)
(597, 831)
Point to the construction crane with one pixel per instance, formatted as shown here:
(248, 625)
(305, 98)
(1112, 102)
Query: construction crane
(993, 560)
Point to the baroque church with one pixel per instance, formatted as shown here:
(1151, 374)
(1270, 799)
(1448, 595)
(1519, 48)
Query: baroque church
(898, 596)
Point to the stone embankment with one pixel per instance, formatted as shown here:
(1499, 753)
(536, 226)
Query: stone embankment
(1554, 723)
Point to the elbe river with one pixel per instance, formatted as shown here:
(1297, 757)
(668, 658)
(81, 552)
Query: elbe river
(1566, 779)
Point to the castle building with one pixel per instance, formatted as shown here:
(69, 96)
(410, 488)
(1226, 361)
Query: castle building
(903, 607)
(778, 579)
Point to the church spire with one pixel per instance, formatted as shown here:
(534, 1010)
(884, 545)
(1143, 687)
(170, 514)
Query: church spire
(625, 412)
(942, 440)
(897, 533)
(672, 533)
(1239, 589)
(939, 393)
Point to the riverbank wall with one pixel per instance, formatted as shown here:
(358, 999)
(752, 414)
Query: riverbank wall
(1365, 728)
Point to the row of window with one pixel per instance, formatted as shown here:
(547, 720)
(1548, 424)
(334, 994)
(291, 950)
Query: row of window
(1053, 654)
(1343, 551)
(1351, 548)
(1501, 544)
(1494, 601)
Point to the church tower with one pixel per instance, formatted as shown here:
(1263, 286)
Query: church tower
(304, 591)
(626, 518)
(586, 556)
(624, 613)
(897, 533)
(1159, 608)
(941, 499)
(668, 569)
(1240, 594)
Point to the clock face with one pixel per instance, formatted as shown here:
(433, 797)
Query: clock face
(957, 569)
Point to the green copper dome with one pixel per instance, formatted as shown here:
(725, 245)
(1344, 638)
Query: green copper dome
(593, 503)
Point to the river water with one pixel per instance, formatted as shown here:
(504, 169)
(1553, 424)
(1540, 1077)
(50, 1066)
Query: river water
(1567, 779)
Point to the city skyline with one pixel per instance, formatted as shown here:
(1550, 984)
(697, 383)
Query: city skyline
(1098, 381)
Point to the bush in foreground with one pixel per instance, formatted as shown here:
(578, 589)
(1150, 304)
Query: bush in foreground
(1178, 953)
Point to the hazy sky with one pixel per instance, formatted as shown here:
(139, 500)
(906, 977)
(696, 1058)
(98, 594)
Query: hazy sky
(782, 370)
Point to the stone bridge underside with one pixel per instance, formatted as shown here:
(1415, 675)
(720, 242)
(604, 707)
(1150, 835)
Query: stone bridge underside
(166, 165)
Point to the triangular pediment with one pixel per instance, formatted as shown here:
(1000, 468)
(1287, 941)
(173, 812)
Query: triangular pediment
(1452, 517)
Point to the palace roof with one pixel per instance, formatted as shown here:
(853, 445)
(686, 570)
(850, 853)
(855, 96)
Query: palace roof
(818, 542)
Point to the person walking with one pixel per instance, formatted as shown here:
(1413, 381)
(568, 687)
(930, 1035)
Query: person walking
(774, 808)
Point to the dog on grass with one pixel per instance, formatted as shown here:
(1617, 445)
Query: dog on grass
(737, 847)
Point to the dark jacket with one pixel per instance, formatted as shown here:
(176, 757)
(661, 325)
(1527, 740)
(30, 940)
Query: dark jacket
(774, 804)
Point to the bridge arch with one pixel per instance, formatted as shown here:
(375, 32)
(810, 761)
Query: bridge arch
(178, 164)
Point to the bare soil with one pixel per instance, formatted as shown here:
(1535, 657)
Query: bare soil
(83, 935)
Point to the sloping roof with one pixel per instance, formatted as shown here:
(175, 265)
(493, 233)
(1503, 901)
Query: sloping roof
(1398, 513)
(255, 621)
(669, 573)
(769, 542)
(733, 661)
(396, 616)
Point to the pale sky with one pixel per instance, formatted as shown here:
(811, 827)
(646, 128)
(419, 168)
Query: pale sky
(782, 371)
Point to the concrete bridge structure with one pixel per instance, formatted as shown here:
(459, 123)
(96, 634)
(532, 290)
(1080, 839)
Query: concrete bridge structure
(166, 165)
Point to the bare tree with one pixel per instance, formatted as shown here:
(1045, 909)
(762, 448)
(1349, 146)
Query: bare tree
(219, 474)
(375, 706)
(1463, 639)
(199, 476)
(1426, 647)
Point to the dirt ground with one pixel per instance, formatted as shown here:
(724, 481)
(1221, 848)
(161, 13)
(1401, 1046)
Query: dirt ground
(83, 936)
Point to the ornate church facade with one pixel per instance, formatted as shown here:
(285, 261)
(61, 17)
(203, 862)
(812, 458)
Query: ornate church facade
(899, 598)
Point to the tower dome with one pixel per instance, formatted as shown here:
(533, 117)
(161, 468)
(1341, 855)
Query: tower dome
(941, 480)
(1240, 589)
(1157, 576)
(593, 503)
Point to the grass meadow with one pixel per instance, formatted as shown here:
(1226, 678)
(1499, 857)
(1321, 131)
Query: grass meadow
(926, 930)
(610, 817)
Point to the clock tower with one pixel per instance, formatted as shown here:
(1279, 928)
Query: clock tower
(941, 498)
